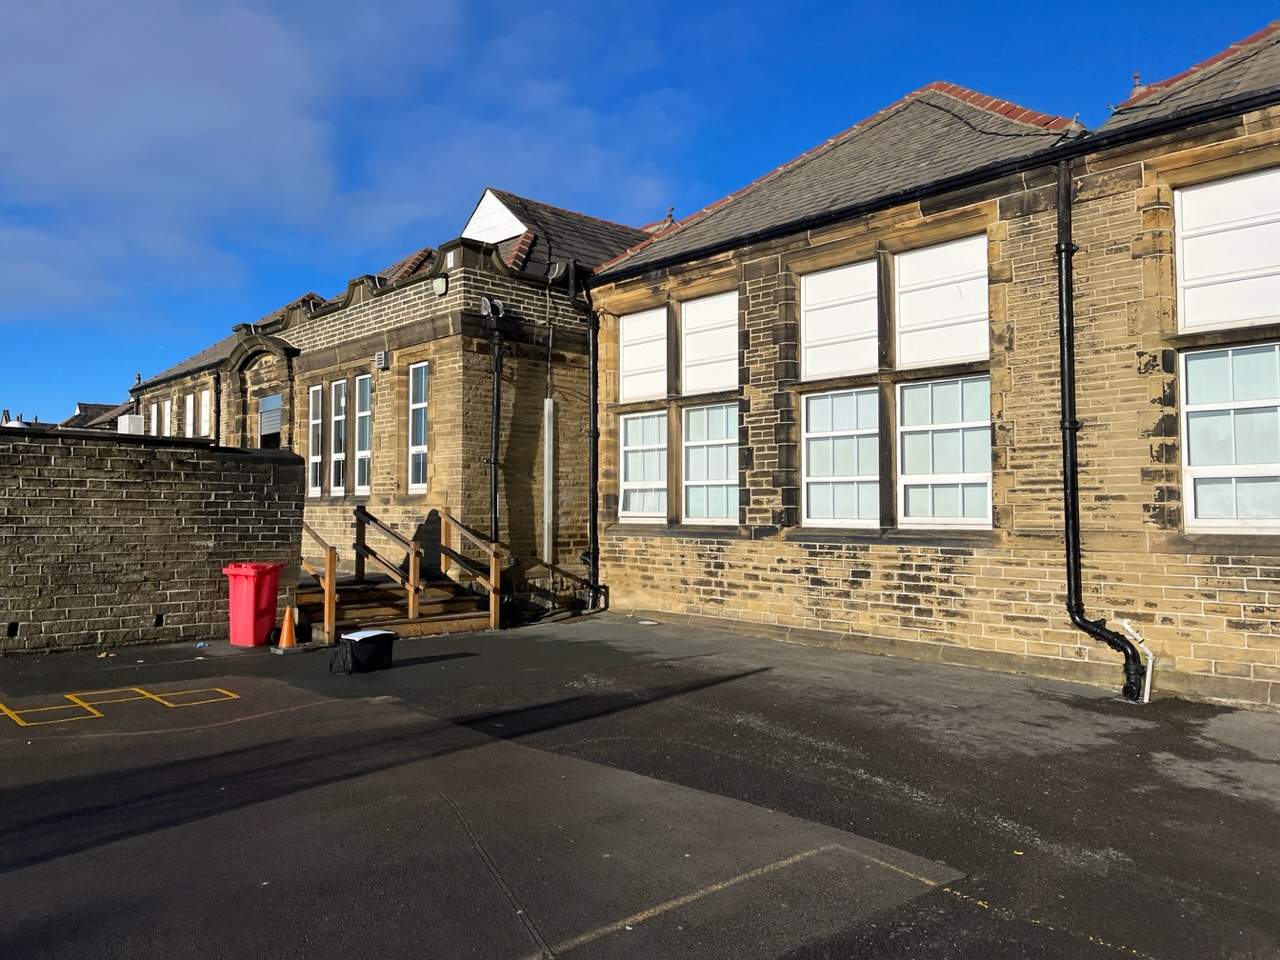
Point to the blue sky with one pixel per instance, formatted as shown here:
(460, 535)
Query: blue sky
(170, 169)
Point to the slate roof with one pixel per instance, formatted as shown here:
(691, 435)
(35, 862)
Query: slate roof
(419, 261)
(214, 354)
(939, 131)
(210, 356)
(560, 234)
(86, 414)
(1251, 65)
(107, 421)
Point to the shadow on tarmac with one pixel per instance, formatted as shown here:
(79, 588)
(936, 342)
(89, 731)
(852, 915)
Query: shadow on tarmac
(82, 813)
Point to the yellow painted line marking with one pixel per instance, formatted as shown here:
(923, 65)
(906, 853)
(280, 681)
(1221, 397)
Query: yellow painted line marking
(88, 701)
(190, 729)
(1006, 914)
(166, 699)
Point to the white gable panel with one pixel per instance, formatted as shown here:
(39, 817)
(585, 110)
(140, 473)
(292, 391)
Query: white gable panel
(642, 355)
(942, 262)
(833, 360)
(839, 321)
(943, 344)
(942, 303)
(953, 302)
(1252, 300)
(716, 311)
(709, 347)
(1227, 201)
(492, 221)
(1228, 251)
(857, 280)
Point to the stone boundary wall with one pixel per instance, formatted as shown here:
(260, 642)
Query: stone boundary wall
(108, 540)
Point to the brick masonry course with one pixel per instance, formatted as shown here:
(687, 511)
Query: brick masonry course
(108, 540)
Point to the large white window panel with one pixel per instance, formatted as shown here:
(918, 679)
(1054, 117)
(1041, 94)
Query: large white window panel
(364, 433)
(1231, 438)
(840, 485)
(709, 351)
(206, 408)
(711, 463)
(315, 440)
(418, 393)
(942, 314)
(643, 455)
(338, 438)
(839, 321)
(642, 355)
(1228, 251)
(944, 453)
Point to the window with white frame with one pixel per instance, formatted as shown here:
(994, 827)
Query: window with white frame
(418, 427)
(1228, 251)
(643, 490)
(711, 463)
(155, 419)
(709, 343)
(166, 418)
(642, 355)
(189, 414)
(1231, 431)
(841, 458)
(364, 433)
(315, 440)
(270, 421)
(944, 453)
(839, 321)
(941, 310)
(206, 413)
(338, 438)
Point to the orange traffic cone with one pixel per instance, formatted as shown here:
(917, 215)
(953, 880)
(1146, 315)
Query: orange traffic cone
(288, 643)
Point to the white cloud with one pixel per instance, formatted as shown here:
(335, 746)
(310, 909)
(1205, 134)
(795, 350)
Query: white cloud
(176, 145)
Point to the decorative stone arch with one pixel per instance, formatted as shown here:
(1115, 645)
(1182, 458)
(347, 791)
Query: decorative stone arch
(244, 381)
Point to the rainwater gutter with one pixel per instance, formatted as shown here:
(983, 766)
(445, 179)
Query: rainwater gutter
(1135, 673)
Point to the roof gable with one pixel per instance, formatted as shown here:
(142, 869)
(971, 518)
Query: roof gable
(552, 234)
(492, 221)
(1251, 65)
(937, 132)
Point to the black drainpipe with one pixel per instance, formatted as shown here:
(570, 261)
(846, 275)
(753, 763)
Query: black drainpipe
(593, 449)
(495, 353)
(1133, 667)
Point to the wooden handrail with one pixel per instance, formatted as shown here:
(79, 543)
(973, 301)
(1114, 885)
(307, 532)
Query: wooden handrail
(328, 580)
(473, 538)
(488, 576)
(364, 515)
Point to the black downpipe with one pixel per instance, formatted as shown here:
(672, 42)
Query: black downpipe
(593, 452)
(495, 354)
(1133, 666)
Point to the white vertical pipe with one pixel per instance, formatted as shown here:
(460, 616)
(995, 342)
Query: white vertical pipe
(548, 480)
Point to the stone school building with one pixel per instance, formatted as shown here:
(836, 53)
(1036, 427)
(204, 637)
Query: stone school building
(386, 390)
(830, 401)
(831, 405)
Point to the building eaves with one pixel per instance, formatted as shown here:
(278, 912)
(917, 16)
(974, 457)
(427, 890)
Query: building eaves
(941, 130)
(1247, 66)
(560, 234)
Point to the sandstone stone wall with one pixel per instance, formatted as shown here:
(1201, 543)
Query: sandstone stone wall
(1206, 603)
(107, 540)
